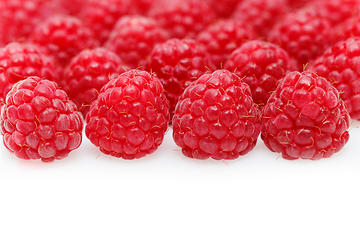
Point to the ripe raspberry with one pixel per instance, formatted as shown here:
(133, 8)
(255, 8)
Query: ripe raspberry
(303, 34)
(183, 18)
(348, 28)
(223, 8)
(19, 61)
(223, 37)
(72, 7)
(19, 17)
(133, 38)
(62, 37)
(38, 121)
(130, 117)
(177, 63)
(340, 65)
(336, 11)
(101, 16)
(261, 65)
(143, 7)
(305, 118)
(87, 73)
(261, 14)
(216, 117)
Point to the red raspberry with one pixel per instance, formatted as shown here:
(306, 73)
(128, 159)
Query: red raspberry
(305, 118)
(296, 4)
(223, 8)
(261, 65)
(340, 65)
(130, 117)
(216, 117)
(336, 11)
(348, 28)
(72, 7)
(19, 17)
(303, 34)
(177, 63)
(87, 73)
(143, 7)
(223, 37)
(101, 16)
(63, 37)
(183, 18)
(39, 121)
(261, 14)
(19, 61)
(134, 37)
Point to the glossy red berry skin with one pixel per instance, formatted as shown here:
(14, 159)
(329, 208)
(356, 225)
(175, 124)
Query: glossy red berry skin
(19, 61)
(340, 65)
(223, 37)
(133, 39)
(305, 118)
(347, 29)
(87, 73)
(183, 18)
(177, 63)
(130, 117)
(63, 37)
(262, 15)
(261, 65)
(303, 34)
(38, 121)
(216, 118)
(101, 16)
(19, 17)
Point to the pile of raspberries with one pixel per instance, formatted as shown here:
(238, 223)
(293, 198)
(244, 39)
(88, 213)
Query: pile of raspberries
(219, 73)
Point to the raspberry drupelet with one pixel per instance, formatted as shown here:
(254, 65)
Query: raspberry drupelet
(38, 121)
(87, 73)
(130, 116)
(261, 65)
(133, 39)
(216, 117)
(340, 65)
(177, 63)
(223, 37)
(305, 118)
(19, 61)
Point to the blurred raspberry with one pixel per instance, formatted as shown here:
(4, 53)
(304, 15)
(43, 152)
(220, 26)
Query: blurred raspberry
(130, 117)
(305, 118)
(215, 117)
(134, 37)
(348, 28)
(19, 61)
(177, 63)
(38, 121)
(223, 8)
(223, 37)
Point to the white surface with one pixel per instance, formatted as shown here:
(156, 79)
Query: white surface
(90, 195)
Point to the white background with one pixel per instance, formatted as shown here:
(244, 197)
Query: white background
(90, 195)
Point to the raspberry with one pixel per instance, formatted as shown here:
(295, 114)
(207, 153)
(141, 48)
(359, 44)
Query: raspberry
(177, 63)
(261, 14)
(183, 18)
(130, 117)
(305, 118)
(303, 34)
(223, 37)
(101, 16)
(336, 11)
(223, 8)
(87, 73)
(261, 65)
(19, 61)
(134, 37)
(72, 7)
(215, 117)
(143, 7)
(19, 17)
(62, 37)
(340, 65)
(348, 28)
(39, 122)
